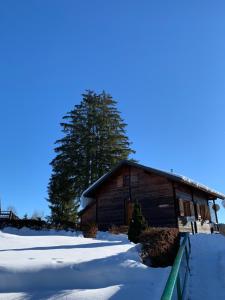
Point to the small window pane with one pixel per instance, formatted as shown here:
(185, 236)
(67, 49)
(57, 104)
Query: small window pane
(126, 180)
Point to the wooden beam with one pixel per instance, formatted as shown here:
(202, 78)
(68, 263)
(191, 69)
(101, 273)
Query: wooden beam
(176, 204)
(196, 212)
(215, 211)
(96, 212)
(130, 195)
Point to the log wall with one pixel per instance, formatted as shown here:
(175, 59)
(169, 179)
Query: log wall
(153, 192)
(158, 196)
(198, 207)
(89, 215)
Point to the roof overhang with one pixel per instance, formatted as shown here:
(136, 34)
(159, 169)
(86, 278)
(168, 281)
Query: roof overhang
(89, 192)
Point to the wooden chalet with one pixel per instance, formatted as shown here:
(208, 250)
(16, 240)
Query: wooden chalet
(7, 215)
(166, 199)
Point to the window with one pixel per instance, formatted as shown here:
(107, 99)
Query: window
(134, 179)
(119, 182)
(126, 180)
(204, 212)
(186, 208)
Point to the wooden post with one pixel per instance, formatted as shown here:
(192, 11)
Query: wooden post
(96, 212)
(192, 228)
(209, 211)
(195, 208)
(130, 195)
(196, 228)
(196, 212)
(125, 211)
(176, 205)
(215, 213)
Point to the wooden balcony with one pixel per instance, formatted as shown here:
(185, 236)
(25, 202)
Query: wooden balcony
(8, 215)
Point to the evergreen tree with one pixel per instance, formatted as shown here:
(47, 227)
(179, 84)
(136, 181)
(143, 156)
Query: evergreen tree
(94, 140)
(137, 224)
(25, 217)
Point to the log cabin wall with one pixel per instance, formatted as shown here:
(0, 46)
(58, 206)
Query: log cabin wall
(192, 195)
(184, 198)
(166, 200)
(198, 210)
(110, 201)
(201, 200)
(89, 215)
(129, 184)
(183, 192)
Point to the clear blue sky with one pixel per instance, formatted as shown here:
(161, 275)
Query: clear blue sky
(164, 61)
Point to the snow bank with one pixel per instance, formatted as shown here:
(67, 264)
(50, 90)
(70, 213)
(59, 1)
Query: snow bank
(64, 265)
(207, 263)
(31, 232)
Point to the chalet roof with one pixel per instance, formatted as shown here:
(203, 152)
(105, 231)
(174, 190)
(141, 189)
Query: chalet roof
(172, 176)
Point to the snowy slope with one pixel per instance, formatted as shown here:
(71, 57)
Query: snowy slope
(60, 265)
(207, 279)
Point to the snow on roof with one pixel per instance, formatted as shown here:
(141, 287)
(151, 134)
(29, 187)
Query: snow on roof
(201, 186)
(93, 185)
(172, 176)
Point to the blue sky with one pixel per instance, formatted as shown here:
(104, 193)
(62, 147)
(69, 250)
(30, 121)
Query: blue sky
(164, 61)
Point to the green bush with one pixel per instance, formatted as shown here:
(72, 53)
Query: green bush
(160, 246)
(137, 224)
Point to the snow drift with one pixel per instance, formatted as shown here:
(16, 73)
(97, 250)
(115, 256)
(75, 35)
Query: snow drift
(64, 265)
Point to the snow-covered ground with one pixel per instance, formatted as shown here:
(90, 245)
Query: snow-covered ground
(64, 265)
(207, 263)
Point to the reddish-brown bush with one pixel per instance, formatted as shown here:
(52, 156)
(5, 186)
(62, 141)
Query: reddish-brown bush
(160, 246)
(118, 229)
(89, 230)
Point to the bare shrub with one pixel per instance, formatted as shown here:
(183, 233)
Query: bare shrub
(90, 230)
(160, 246)
(118, 229)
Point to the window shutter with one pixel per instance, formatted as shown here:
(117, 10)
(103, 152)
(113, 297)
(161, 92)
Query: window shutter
(192, 208)
(198, 210)
(181, 206)
(208, 216)
(120, 181)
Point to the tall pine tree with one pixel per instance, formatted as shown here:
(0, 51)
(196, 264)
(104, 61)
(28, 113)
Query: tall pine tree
(94, 140)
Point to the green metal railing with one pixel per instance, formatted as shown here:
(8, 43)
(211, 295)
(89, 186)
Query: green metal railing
(177, 283)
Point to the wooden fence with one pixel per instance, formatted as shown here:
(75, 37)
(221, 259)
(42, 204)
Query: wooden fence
(7, 215)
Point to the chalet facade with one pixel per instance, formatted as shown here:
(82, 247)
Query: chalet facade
(166, 199)
(7, 215)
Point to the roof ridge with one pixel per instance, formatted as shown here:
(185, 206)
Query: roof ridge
(172, 176)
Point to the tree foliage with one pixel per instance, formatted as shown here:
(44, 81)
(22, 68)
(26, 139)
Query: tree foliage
(12, 209)
(137, 224)
(94, 139)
